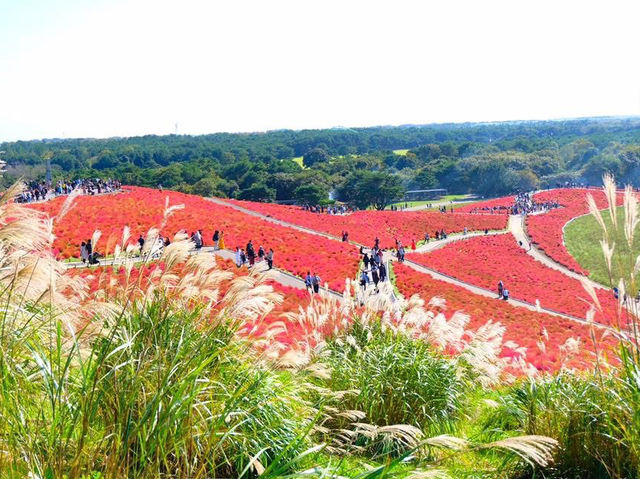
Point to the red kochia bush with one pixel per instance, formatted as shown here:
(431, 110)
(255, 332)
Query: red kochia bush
(526, 328)
(364, 226)
(546, 230)
(485, 260)
(143, 208)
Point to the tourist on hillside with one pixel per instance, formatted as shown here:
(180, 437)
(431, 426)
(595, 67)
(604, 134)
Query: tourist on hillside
(505, 294)
(261, 253)
(401, 254)
(141, 243)
(238, 257)
(437, 235)
(500, 288)
(375, 277)
(413, 244)
(364, 279)
(376, 244)
(308, 281)
(89, 248)
(197, 239)
(345, 236)
(251, 253)
(382, 271)
(84, 254)
(427, 238)
(216, 239)
(365, 260)
(167, 241)
(316, 283)
(270, 258)
(221, 240)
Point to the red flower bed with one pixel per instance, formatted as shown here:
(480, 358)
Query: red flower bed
(526, 328)
(483, 261)
(143, 208)
(546, 230)
(497, 206)
(364, 226)
(293, 299)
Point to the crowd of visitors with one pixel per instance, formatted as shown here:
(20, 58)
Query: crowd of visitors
(330, 210)
(374, 269)
(250, 256)
(523, 204)
(43, 190)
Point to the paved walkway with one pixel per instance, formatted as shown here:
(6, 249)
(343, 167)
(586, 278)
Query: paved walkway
(423, 269)
(280, 276)
(437, 244)
(516, 227)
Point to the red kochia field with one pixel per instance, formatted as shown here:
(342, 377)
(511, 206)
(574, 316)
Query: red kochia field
(364, 226)
(546, 230)
(143, 208)
(483, 261)
(526, 328)
(111, 280)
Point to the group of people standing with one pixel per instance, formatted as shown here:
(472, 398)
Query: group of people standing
(43, 190)
(87, 254)
(374, 270)
(503, 293)
(250, 256)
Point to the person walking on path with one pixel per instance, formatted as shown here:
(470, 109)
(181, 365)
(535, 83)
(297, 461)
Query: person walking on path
(308, 281)
(270, 258)
(261, 253)
(238, 257)
(375, 277)
(221, 240)
(84, 255)
(364, 279)
(316, 283)
(500, 289)
(141, 243)
(216, 239)
(251, 254)
(365, 260)
(382, 271)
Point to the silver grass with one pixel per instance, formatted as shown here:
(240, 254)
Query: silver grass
(610, 192)
(593, 209)
(631, 219)
(536, 450)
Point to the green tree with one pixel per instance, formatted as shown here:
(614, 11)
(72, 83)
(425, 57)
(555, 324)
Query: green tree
(311, 193)
(315, 156)
(258, 192)
(371, 188)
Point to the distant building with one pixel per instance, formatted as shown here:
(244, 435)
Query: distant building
(422, 195)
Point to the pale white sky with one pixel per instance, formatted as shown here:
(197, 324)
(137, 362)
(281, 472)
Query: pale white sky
(73, 68)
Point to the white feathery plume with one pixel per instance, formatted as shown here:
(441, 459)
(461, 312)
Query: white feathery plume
(593, 209)
(607, 251)
(610, 192)
(631, 219)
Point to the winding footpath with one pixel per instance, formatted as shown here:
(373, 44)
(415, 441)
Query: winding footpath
(516, 227)
(422, 269)
(280, 276)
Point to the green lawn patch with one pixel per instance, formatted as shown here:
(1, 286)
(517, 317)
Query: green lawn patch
(582, 238)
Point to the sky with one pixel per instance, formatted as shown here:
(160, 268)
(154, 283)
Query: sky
(101, 68)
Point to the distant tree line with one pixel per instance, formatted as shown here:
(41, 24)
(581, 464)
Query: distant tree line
(356, 165)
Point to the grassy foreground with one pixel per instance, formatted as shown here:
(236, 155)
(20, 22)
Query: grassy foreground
(582, 237)
(174, 374)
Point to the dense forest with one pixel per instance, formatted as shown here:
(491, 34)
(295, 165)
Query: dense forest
(364, 166)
